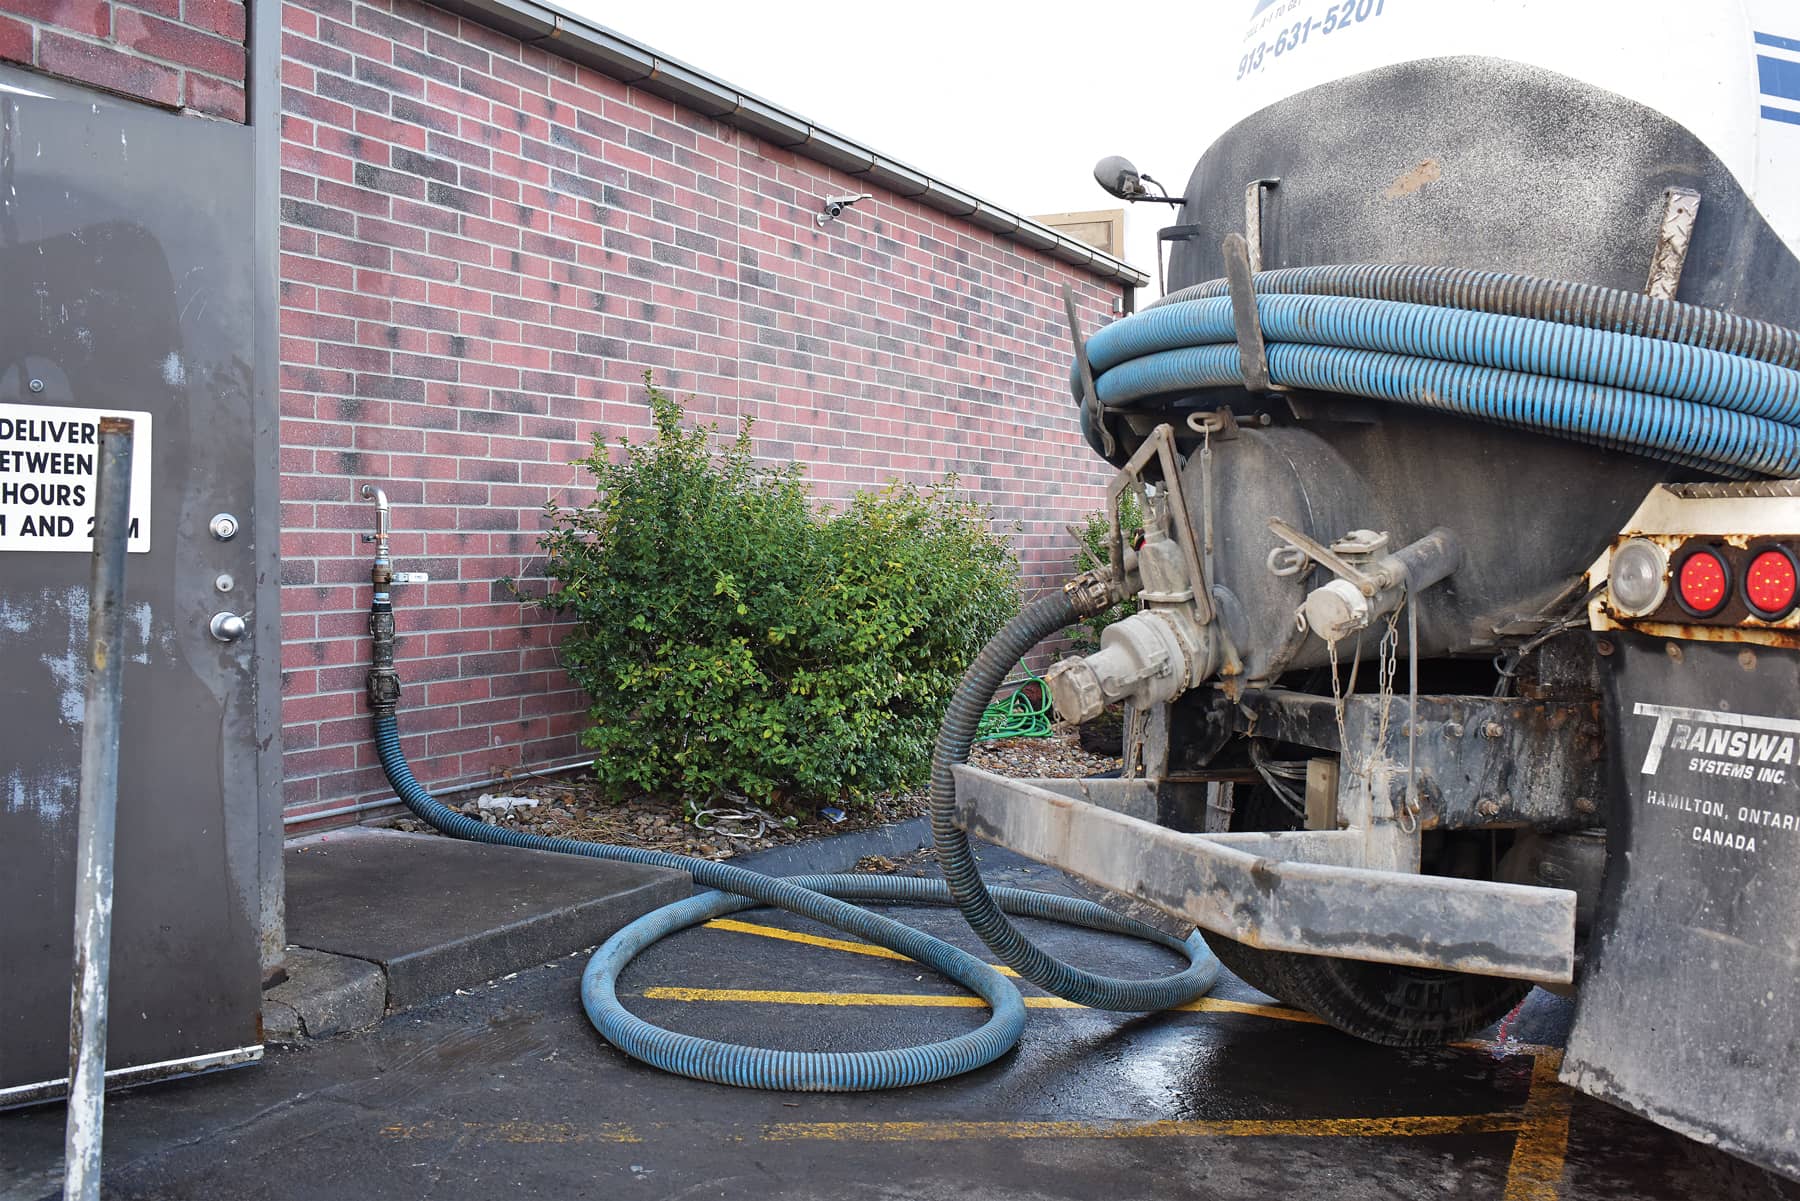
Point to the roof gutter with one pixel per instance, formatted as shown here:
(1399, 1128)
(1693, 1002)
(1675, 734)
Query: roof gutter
(568, 35)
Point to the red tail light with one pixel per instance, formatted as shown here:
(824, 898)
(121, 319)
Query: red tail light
(1703, 583)
(1771, 583)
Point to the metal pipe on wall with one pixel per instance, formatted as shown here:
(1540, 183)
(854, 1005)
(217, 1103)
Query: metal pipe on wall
(98, 808)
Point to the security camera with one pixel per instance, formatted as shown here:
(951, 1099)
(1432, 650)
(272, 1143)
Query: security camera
(835, 206)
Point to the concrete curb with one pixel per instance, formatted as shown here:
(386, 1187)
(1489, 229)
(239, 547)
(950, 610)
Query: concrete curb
(323, 995)
(838, 852)
(330, 992)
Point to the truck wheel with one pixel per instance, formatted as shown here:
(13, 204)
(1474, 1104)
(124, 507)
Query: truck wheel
(1259, 969)
(1380, 1002)
(1396, 1006)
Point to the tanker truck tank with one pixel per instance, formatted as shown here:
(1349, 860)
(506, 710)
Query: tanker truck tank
(1460, 300)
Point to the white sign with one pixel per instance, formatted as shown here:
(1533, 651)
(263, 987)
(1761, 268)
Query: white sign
(48, 458)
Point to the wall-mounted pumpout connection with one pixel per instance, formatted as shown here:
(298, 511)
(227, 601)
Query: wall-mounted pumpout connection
(383, 684)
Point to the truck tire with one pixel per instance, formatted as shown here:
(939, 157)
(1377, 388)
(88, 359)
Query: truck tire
(1259, 969)
(1378, 1002)
(1396, 1006)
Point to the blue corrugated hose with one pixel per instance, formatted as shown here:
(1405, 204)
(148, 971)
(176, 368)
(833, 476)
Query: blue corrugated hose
(824, 899)
(1667, 380)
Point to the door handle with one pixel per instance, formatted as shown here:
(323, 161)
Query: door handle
(227, 627)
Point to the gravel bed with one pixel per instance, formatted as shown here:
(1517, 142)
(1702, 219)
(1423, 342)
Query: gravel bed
(569, 805)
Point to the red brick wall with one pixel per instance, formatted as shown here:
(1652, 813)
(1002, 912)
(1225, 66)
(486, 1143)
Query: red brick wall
(173, 53)
(484, 248)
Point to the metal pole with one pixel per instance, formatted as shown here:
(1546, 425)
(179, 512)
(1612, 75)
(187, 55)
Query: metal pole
(99, 803)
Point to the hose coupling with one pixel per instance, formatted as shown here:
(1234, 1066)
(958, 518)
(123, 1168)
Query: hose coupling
(383, 688)
(383, 682)
(1095, 591)
(1149, 658)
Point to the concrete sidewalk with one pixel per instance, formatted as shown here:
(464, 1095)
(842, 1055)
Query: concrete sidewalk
(379, 921)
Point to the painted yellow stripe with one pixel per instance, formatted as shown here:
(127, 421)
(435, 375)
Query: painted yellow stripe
(938, 1001)
(528, 1132)
(818, 940)
(905, 1132)
(1204, 1005)
(515, 1132)
(1542, 1147)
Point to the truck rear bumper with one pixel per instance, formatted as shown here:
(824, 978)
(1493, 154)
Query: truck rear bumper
(1303, 891)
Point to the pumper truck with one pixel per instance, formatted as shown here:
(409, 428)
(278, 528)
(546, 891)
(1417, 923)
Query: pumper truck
(1466, 650)
(1467, 655)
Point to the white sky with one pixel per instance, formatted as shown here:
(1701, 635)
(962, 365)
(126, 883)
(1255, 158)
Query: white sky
(1009, 101)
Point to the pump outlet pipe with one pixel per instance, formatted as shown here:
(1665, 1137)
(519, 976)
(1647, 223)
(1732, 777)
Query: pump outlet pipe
(827, 899)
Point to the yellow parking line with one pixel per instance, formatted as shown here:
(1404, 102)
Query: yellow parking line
(1204, 1005)
(817, 940)
(770, 996)
(895, 1132)
(514, 1131)
(1543, 1145)
(1533, 1173)
(1404, 1126)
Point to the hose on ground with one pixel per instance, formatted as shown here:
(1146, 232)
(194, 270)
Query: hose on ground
(820, 898)
(1699, 387)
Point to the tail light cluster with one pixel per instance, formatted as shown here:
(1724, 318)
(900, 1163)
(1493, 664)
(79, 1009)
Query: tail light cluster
(1704, 580)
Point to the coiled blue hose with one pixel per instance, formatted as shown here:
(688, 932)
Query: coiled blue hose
(821, 898)
(1707, 392)
(1566, 302)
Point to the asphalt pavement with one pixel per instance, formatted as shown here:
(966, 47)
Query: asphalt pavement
(506, 1091)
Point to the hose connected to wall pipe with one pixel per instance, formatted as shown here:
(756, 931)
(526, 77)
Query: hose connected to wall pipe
(825, 899)
(1690, 385)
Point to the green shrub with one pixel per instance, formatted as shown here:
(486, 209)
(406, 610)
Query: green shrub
(735, 638)
(1090, 552)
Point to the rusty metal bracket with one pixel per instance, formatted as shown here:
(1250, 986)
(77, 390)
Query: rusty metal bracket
(1253, 208)
(1090, 400)
(1253, 356)
(1317, 552)
(1160, 446)
(1681, 206)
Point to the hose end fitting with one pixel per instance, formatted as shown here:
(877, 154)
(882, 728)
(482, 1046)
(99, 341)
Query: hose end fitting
(1095, 591)
(384, 693)
(383, 684)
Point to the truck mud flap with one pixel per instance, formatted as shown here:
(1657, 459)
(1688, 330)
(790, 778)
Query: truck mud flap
(1687, 1011)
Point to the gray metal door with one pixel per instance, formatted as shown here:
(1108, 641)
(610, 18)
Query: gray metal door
(127, 269)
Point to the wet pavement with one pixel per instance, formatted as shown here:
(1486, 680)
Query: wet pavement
(508, 1091)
